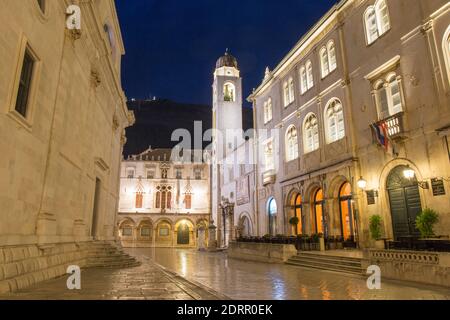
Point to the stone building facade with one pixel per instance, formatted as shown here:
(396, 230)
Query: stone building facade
(62, 119)
(164, 201)
(360, 113)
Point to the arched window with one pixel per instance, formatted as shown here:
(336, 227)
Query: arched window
(309, 75)
(291, 90)
(311, 133)
(324, 62)
(229, 92)
(371, 25)
(376, 20)
(318, 211)
(382, 16)
(348, 227)
(388, 96)
(303, 80)
(334, 121)
(328, 58)
(163, 197)
(291, 144)
(297, 206)
(286, 94)
(332, 55)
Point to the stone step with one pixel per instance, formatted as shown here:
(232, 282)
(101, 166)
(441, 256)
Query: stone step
(108, 255)
(328, 268)
(115, 265)
(327, 262)
(354, 263)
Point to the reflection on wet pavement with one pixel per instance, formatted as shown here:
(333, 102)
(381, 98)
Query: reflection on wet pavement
(251, 280)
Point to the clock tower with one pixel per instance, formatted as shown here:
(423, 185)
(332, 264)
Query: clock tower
(227, 122)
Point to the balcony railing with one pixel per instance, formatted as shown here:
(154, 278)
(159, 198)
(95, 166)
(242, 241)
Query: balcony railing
(394, 124)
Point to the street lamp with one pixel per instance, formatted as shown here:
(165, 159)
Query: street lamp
(362, 184)
(409, 173)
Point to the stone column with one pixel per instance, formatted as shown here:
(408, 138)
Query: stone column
(201, 239)
(212, 242)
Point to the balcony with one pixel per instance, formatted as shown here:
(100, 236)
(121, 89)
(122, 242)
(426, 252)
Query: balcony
(269, 177)
(394, 125)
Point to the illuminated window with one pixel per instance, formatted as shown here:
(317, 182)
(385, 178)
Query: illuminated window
(318, 211)
(376, 20)
(346, 207)
(334, 121)
(311, 133)
(229, 92)
(291, 144)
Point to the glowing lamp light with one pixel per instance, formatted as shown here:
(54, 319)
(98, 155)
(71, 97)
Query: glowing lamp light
(409, 173)
(362, 184)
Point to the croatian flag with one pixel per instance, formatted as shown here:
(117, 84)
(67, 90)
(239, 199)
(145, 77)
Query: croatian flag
(381, 134)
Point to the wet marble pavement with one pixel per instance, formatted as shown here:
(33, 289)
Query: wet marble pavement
(146, 282)
(239, 279)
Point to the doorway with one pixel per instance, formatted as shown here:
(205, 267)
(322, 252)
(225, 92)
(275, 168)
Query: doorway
(346, 212)
(183, 234)
(405, 203)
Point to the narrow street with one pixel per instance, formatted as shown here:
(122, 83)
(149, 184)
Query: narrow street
(250, 280)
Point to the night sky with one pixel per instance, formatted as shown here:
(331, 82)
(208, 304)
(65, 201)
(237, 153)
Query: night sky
(172, 45)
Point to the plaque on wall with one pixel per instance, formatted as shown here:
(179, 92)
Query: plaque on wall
(438, 187)
(371, 195)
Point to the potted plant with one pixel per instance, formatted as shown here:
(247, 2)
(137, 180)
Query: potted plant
(426, 221)
(294, 221)
(375, 227)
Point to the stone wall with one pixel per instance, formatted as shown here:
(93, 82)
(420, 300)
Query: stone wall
(263, 252)
(424, 267)
(61, 157)
(24, 266)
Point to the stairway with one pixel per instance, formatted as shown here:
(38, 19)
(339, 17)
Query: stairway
(327, 262)
(103, 254)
